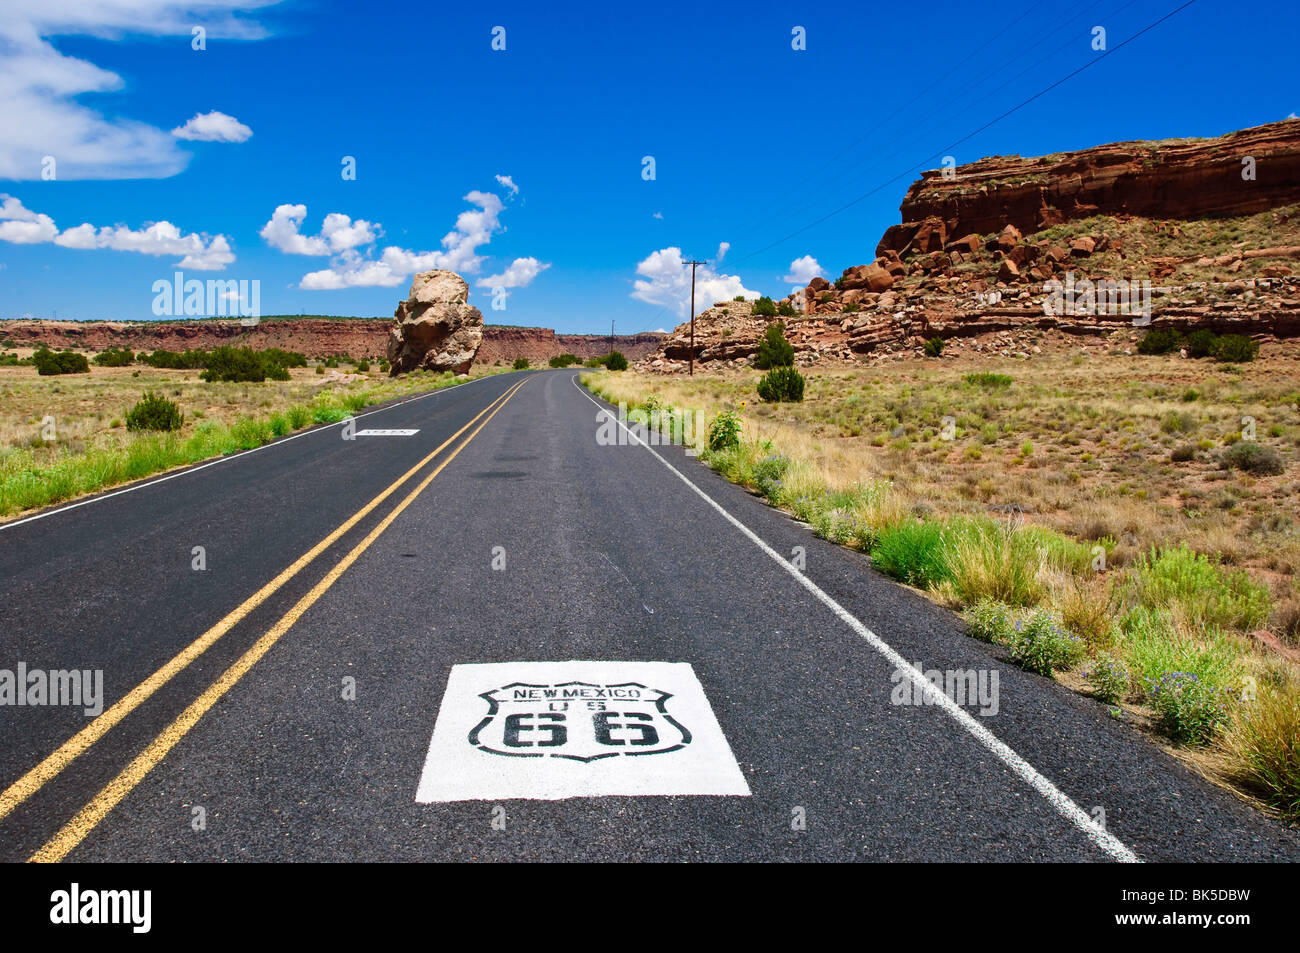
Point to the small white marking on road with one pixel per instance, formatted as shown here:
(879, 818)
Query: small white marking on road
(1098, 835)
(242, 455)
(386, 433)
(553, 730)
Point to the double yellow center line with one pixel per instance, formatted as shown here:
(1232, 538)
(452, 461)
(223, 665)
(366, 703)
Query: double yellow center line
(89, 816)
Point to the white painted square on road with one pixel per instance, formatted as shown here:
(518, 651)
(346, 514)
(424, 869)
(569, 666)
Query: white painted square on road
(553, 730)
(386, 433)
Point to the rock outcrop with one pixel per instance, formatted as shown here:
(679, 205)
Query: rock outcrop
(1172, 178)
(436, 328)
(977, 257)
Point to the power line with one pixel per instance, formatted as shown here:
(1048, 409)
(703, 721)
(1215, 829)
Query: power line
(947, 149)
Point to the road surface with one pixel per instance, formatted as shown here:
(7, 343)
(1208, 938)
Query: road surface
(280, 702)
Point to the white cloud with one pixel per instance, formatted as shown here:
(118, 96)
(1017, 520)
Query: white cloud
(666, 281)
(213, 127)
(723, 248)
(658, 215)
(351, 269)
(338, 234)
(40, 87)
(803, 270)
(23, 226)
(520, 274)
(508, 183)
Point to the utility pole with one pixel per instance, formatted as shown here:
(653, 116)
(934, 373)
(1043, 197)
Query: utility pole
(611, 336)
(692, 357)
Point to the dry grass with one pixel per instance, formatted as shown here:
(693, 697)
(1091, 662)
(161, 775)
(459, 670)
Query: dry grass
(92, 449)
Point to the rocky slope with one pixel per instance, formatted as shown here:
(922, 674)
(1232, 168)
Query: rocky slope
(1161, 233)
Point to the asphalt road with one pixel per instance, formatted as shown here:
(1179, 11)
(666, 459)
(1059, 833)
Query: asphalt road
(299, 725)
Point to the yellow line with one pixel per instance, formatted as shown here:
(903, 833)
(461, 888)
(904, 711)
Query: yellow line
(74, 747)
(89, 816)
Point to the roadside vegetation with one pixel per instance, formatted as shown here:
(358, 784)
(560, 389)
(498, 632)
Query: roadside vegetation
(1128, 525)
(119, 421)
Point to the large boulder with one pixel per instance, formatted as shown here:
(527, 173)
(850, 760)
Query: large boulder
(436, 328)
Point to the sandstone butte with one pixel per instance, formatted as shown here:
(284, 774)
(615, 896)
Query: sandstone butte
(975, 251)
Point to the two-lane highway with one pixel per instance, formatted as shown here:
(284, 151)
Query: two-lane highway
(384, 701)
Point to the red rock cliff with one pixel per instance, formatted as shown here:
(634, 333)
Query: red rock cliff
(1169, 179)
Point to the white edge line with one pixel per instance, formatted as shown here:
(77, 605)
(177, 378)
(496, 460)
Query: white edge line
(320, 428)
(1099, 836)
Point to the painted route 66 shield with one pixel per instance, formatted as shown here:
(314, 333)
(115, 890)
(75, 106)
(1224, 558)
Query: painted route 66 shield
(578, 721)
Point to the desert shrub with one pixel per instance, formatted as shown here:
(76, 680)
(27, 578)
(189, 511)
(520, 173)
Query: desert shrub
(781, 384)
(362, 366)
(1110, 679)
(594, 362)
(1265, 743)
(1160, 341)
(279, 424)
(914, 553)
(989, 381)
(154, 412)
(1201, 343)
(1176, 422)
(1236, 349)
(774, 350)
(615, 361)
(987, 560)
(241, 364)
(933, 347)
(990, 621)
(59, 362)
(786, 310)
(520, 364)
(114, 357)
(1253, 458)
(1188, 709)
(299, 416)
(171, 360)
(1183, 453)
(285, 358)
(1041, 645)
(564, 360)
(768, 474)
(765, 307)
(1152, 646)
(384, 366)
(724, 432)
(1195, 587)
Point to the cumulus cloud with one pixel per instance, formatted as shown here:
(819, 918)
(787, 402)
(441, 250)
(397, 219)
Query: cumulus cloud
(803, 270)
(41, 87)
(665, 280)
(353, 269)
(508, 183)
(519, 274)
(338, 233)
(723, 248)
(22, 226)
(213, 127)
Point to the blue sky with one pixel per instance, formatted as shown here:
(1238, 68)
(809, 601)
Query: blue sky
(751, 139)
